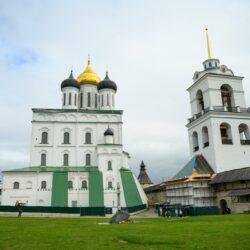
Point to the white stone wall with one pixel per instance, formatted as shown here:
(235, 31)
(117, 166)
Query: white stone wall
(31, 195)
(221, 157)
(70, 102)
(210, 87)
(77, 124)
(107, 99)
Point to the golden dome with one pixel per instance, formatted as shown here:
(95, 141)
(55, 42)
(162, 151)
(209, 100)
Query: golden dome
(88, 76)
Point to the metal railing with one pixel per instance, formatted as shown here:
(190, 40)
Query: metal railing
(219, 109)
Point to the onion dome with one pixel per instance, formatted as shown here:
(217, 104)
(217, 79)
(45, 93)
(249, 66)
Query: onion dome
(106, 83)
(88, 76)
(70, 82)
(108, 132)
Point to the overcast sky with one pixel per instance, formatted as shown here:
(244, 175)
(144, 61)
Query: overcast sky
(151, 48)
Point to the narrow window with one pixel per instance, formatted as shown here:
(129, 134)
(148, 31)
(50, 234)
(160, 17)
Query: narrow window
(69, 98)
(195, 142)
(70, 184)
(88, 138)
(89, 99)
(102, 100)
(107, 99)
(44, 138)
(43, 159)
(64, 99)
(88, 159)
(43, 184)
(75, 99)
(200, 101)
(65, 159)
(66, 138)
(81, 100)
(109, 165)
(84, 184)
(226, 96)
(113, 100)
(110, 185)
(210, 65)
(16, 185)
(95, 100)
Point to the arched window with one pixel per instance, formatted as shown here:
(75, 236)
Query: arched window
(200, 101)
(226, 96)
(84, 184)
(28, 184)
(16, 185)
(70, 184)
(43, 159)
(69, 98)
(89, 99)
(113, 100)
(244, 134)
(110, 185)
(205, 138)
(195, 141)
(102, 100)
(95, 100)
(109, 165)
(65, 159)
(75, 99)
(43, 184)
(66, 138)
(88, 159)
(88, 138)
(44, 138)
(226, 135)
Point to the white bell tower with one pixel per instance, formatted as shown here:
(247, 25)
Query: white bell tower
(219, 126)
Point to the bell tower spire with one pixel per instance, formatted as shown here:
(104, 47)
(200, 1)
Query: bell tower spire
(209, 50)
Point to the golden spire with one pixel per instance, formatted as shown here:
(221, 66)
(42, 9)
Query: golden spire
(88, 76)
(209, 50)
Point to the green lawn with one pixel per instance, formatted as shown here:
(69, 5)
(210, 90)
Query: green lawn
(204, 232)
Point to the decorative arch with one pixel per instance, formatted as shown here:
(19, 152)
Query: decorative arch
(195, 141)
(226, 133)
(28, 185)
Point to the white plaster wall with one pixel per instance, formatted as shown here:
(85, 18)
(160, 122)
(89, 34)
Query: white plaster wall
(77, 193)
(210, 87)
(77, 124)
(108, 96)
(30, 196)
(220, 156)
(85, 89)
(74, 95)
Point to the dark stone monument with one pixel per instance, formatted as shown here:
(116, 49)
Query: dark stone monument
(120, 216)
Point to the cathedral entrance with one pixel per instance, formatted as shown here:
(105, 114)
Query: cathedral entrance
(223, 206)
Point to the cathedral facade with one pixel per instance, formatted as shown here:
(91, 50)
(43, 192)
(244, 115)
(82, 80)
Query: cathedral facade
(77, 157)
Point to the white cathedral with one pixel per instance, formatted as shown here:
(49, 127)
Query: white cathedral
(77, 157)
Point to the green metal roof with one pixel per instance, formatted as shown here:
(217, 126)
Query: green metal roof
(53, 169)
(199, 163)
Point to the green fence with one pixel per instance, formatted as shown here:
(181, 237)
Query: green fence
(83, 211)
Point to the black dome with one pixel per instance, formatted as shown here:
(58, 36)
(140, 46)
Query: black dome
(70, 82)
(106, 83)
(108, 132)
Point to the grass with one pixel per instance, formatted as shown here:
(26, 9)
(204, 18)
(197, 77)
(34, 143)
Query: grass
(195, 233)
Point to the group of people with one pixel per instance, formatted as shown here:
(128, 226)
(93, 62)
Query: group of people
(168, 213)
